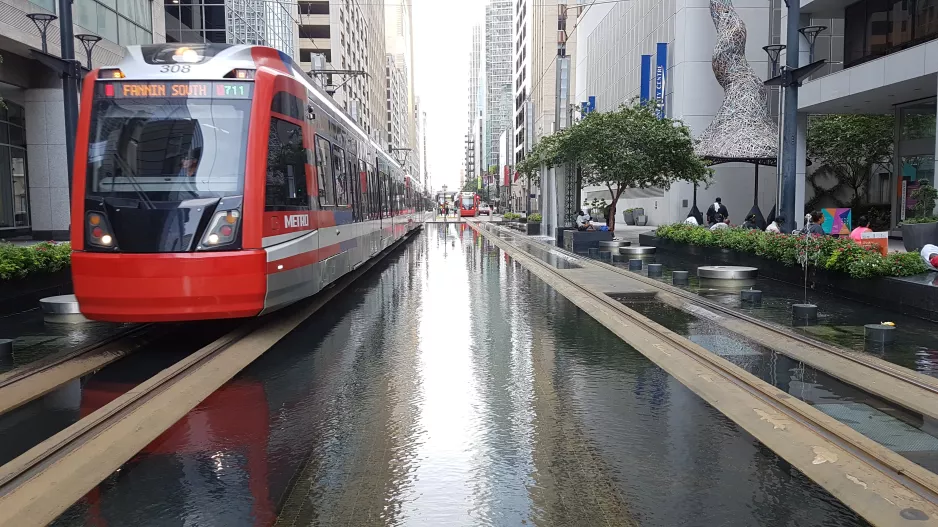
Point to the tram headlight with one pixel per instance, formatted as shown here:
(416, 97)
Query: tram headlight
(99, 231)
(222, 230)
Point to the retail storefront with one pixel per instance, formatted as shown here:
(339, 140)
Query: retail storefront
(915, 154)
(14, 195)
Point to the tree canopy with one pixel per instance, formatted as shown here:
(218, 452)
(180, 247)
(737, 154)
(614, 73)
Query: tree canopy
(849, 147)
(627, 148)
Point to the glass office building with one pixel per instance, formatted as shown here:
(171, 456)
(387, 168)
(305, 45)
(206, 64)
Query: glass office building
(259, 22)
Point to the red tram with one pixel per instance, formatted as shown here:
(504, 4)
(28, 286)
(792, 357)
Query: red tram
(215, 181)
(469, 204)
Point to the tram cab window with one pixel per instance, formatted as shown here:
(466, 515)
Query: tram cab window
(324, 172)
(341, 175)
(286, 168)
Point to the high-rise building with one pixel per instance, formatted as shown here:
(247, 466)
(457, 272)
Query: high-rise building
(232, 21)
(397, 114)
(422, 135)
(544, 42)
(475, 95)
(415, 159)
(498, 76)
(349, 36)
(34, 191)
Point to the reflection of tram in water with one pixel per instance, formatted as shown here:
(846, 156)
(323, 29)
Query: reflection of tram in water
(235, 457)
(215, 181)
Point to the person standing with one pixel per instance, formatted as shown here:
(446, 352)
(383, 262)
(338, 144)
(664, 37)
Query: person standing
(715, 210)
(721, 223)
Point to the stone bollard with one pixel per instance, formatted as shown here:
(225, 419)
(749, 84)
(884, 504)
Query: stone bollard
(880, 333)
(593, 253)
(679, 277)
(803, 314)
(655, 269)
(751, 295)
(6, 351)
(635, 265)
(605, 256)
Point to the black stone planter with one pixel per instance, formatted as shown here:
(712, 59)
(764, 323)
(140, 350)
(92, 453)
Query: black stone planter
(581, 241)
(916, 235)
(533, 229)
(22, 294)
(898, 294)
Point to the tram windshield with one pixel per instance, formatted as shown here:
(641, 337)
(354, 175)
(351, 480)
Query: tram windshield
(168, 142)
(468, 202)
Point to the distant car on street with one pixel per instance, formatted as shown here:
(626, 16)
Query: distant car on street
(485, 209)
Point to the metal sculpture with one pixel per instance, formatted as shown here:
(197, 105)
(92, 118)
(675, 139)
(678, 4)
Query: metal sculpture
(742, 130)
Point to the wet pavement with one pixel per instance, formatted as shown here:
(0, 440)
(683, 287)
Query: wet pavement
(451, 387)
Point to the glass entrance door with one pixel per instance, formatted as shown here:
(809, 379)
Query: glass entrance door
(915, 159)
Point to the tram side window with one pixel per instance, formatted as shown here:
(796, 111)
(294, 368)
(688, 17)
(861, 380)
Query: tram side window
(286, 168)
(340, 171)
(324, 172)
(372, 193)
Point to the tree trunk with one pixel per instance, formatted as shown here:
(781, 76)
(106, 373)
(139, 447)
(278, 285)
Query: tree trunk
(611, 215)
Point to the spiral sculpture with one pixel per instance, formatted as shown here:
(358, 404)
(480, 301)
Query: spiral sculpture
(742, 129)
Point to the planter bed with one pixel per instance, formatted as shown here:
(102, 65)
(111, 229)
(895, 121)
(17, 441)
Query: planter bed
(21, 294)
(913, 296)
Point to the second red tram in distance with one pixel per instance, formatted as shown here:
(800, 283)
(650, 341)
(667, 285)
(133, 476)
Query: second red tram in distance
(468, 204)
(215, 181)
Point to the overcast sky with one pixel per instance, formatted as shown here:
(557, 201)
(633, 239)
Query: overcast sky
(442, 42)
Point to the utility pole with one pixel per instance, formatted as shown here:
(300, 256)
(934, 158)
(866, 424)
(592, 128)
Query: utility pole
(790, 122)
(70, 78)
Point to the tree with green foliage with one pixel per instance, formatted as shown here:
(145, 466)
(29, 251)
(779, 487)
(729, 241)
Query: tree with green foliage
(628, 148)
(849, 147)
(471, 185)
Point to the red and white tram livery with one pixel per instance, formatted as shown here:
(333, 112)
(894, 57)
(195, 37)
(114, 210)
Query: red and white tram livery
(215, 181)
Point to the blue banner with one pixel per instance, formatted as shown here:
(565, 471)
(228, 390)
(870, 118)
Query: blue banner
(645, 91)
(592, 103)
(661, 71)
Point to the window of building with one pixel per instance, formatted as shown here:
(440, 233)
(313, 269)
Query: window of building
(315, 31)
(873, 28)
(324, 172)
(14, 199)
(286, 168)
(126, 22)
(314, 8)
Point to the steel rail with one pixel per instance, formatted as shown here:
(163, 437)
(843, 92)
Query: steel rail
(911, 477)
(19, 386)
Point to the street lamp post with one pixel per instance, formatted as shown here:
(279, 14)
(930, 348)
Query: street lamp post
(774, 51)
(42, 21)
(88, 42)
(810, 34)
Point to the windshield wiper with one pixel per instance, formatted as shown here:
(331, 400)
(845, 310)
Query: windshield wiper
(129, 174)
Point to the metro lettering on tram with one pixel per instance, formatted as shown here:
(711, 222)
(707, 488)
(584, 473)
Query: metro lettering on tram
(215, 181)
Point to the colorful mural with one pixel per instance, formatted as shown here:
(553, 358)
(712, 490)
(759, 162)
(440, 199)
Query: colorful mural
(837, 221)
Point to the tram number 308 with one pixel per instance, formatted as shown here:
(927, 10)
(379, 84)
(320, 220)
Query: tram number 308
(174, 68)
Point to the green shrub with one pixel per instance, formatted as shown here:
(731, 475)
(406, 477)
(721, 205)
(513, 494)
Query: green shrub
(834, 254)
(922, 219)
(21, 261)
(534, 218)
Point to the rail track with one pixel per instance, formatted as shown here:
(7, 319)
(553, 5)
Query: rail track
(27, 383)
(880, 485)
(906, 388)
(39, 485)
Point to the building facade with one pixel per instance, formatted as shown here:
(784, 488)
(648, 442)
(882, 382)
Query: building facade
(34, 191)
(256, 22)
(349, 37)
(475, 95)
(397, 113)
(498, 76)
(884, 61)
(613, 37)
